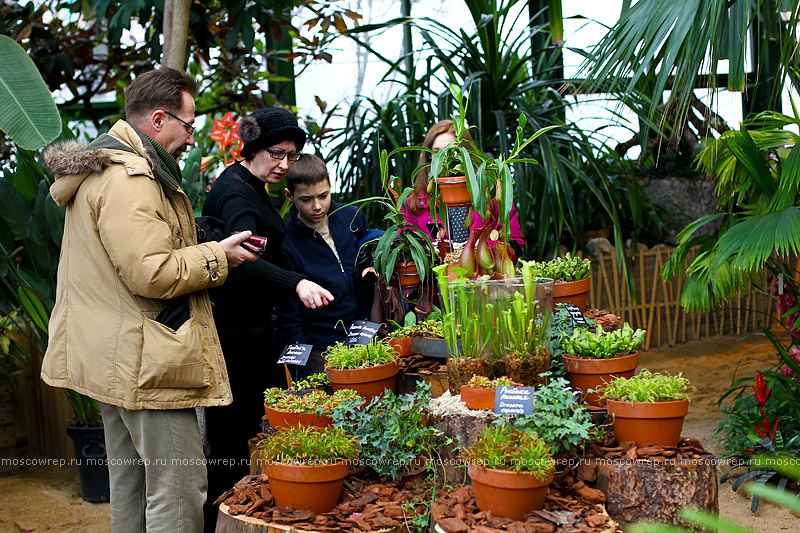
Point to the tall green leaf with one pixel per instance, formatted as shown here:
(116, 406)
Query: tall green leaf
(28, 114)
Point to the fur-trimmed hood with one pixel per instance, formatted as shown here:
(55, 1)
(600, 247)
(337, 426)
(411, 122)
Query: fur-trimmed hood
(71, 162)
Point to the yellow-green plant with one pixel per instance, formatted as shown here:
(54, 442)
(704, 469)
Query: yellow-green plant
(647, 387)
(599, 344)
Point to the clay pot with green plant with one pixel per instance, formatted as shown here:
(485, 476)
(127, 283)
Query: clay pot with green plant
(572, 276)
(306, 466)
(510, 470)
(368, 369)
(479, 392)
(593, 357)
(285, 409)
(647, 408)
(400, 340)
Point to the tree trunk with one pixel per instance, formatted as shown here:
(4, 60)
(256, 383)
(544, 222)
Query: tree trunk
(656, 491)
(464, 430)
(176, 31)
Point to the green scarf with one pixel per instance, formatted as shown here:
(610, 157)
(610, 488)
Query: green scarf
(168, 163)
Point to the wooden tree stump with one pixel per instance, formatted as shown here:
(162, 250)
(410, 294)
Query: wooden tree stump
(464, 430)
(637, 490)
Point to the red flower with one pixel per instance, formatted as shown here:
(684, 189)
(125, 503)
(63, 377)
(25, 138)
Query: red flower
(225, 131)
(761, 390)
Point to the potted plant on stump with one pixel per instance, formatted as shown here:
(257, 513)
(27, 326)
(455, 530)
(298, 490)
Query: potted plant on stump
(572, 276)
(479, 392)
(648, 409)
(369, 369)
(510, 470)
(306, 466)
(591, 358)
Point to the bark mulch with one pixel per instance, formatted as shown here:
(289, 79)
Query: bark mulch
(421, 364)
(366, 504)
(570, 507)
(687, 448)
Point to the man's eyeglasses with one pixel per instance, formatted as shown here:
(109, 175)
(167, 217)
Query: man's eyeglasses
(280, 154)
(189, 127)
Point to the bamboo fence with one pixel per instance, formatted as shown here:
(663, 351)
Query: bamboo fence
(657, 307)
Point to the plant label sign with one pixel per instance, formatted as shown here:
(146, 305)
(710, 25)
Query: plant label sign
(361, 332)
(576, 314)
(514, 400)
(296, 354)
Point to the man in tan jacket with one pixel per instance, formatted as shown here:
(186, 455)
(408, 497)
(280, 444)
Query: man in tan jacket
(129, 252)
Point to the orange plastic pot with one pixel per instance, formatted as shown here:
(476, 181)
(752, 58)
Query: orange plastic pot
(310, 488)
(402, 346)
(454, 191)
(585, 374)
(368, 382)
(574, 292)
(508, 494)
(279, 419)
(648, 423)
(408, 274)
(478, 398)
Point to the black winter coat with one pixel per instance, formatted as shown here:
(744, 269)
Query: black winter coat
(307, 253)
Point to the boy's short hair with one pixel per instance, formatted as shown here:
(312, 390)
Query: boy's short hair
(308, 170)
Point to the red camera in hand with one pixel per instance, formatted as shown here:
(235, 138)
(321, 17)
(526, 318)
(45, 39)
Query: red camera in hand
(255, 244)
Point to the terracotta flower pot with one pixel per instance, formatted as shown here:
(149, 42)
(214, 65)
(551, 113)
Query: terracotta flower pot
(407, 272)
(402, 346)
(454, 191)
(478, 398)
(507, 494)
(368, 382)
(310, 488)
(574, 292)
(585, 374)
(279, 419)
(648, 424)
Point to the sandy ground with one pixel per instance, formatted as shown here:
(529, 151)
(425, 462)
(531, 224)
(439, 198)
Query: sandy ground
(47, 499)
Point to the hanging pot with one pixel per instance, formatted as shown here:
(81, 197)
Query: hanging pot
(407, 272)
(368, 382)
(508, 494)
(454, 191)
(585, 374)
(574, 292)
(306, 487)
(648, 423)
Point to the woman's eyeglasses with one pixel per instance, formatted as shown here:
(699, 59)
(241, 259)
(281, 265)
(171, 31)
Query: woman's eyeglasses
(189, 127)
(280, 154)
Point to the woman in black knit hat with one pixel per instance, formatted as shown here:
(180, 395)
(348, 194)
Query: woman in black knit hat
(244, 305)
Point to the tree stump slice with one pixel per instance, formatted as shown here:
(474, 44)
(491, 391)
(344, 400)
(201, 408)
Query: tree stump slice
(227, 523)
(464, 430)
(637, 490)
